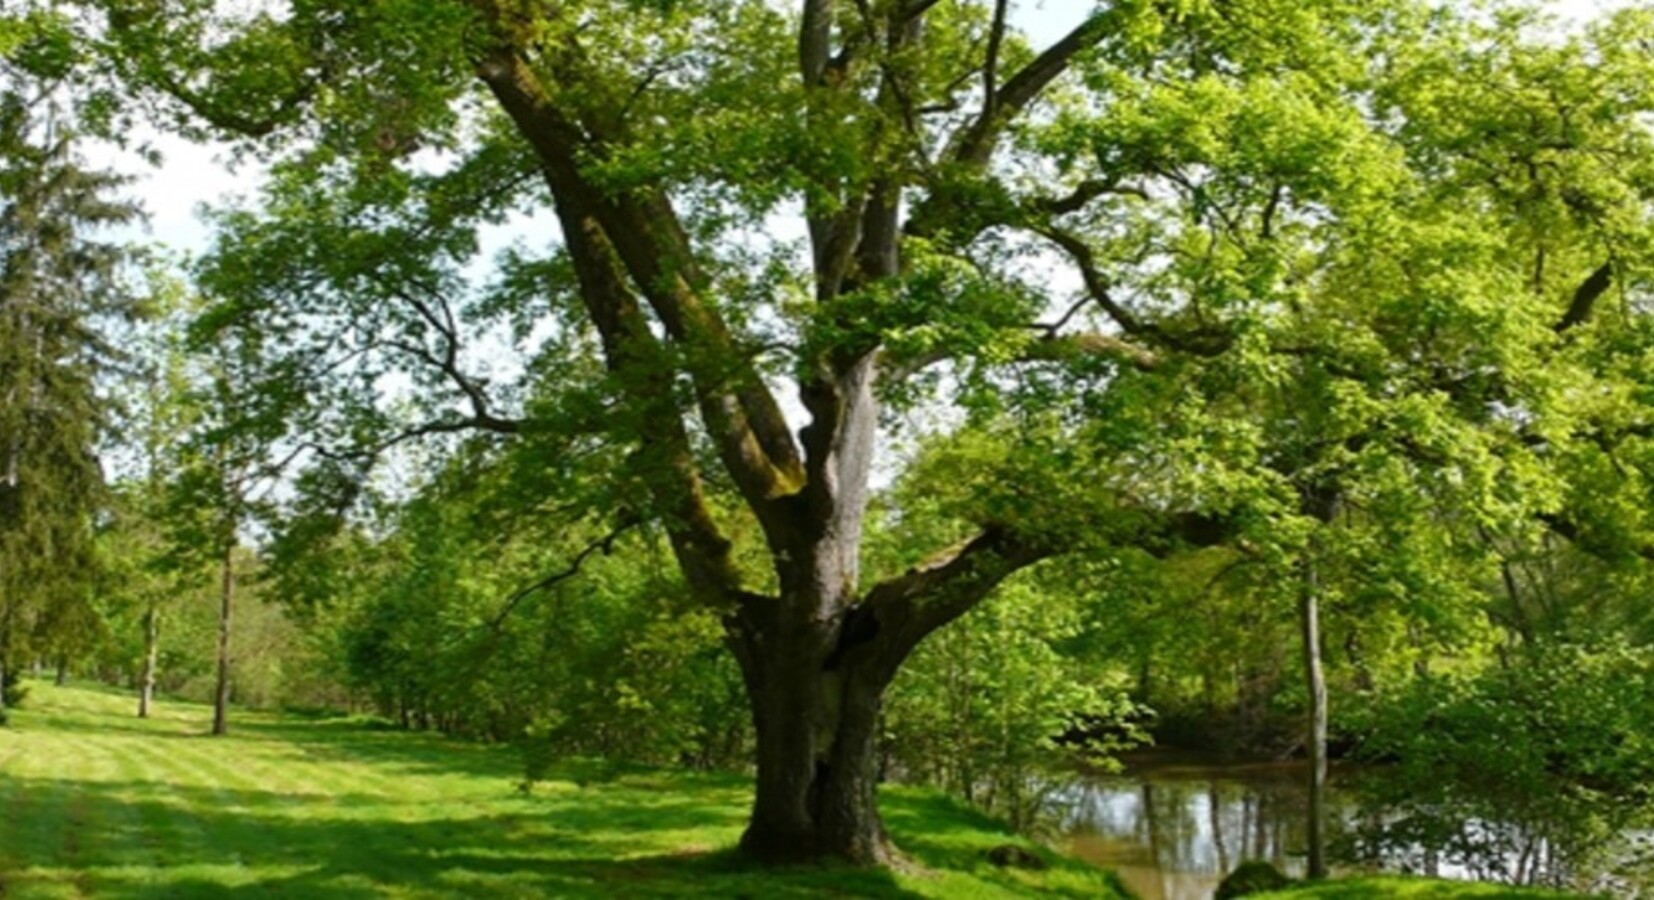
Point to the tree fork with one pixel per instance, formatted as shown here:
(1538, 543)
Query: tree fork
(816, 694)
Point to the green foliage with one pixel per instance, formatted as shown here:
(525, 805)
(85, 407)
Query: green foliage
(1384, 888)
(62, 291)
(438, 626)
(1550, 749)
(983, 708)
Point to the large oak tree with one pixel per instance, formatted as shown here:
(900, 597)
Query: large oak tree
(1133, 255)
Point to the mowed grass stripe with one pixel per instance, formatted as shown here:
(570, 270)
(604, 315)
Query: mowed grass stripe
(279, 796)
(219, 795)
(324, 767)
(167, 836)
(91, 818)
(103, 804)
(36, 826)
(169, 786)
(122, 776)
(106, 828)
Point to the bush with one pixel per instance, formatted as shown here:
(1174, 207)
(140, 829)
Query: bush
(1549, 759)
(1251, 877)
(996, 709)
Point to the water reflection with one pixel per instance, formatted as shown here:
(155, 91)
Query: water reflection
(1173, 832)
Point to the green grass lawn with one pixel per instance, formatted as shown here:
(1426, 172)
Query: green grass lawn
(94, 802)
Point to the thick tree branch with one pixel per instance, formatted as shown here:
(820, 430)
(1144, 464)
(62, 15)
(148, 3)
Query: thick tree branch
(444, 426)
(1084, 193)
(1199, 343)
(365, 455)
(1053, 347)
(974, 143)
(1586, 296)
(968, 150)
(1058, 347)
(1096, 283)
(990, 67)
(914, 9)
(815, 33)
(642, 232)
(640, 364)
(899, 612)
(911, 605)
(604, 544)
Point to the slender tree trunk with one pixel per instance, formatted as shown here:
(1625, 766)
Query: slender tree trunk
(61, 677)
(9, 511)
(1323, 503)
(221, 697)
(1151, 821)
(1214, 810)
(1310, 619)
(152, 650)
(1261, 848)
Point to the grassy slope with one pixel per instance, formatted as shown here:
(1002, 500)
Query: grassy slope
(1386, 887)
(94, 802)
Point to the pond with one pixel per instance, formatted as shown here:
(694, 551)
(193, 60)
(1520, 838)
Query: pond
(1173, 829)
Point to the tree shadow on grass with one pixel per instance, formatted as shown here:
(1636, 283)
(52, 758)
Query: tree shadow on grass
(140, 839)
(598, 829)
(347, 740)
(83, 724)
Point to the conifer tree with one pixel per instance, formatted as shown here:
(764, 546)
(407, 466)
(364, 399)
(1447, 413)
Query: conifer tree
(59, 285)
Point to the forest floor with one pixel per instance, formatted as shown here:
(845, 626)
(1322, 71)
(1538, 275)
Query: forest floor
(95, 802)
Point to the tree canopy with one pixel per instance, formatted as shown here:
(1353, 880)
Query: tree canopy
(1353, 291)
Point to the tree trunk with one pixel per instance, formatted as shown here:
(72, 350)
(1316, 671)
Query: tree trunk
(816, 721)
(4, 672)
(61, 677)
(1151, 821)
(221, 697)
(1310, 615)
(1214, 811)
(152, 649)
